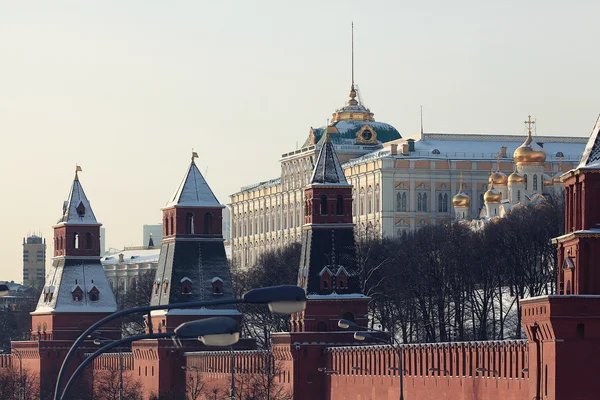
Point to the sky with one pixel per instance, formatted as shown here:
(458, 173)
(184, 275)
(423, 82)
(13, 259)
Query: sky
(127, 89)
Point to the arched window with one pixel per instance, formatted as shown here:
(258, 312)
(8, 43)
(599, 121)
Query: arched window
(525, 178)
(424, 201)
(186, 286)
(535, 180)
(568, 287)
(76, 240)
(518, 195)
(399, 202)
(133, 284)
(166, 223)
(445, 202)
(419, 202)
(171, 225)
(88, 241)
(340, 205)
(321, 327)
(208, 219)
(323, 204)
(348, 316)
(440, 201)
(189, 223)
(94, 294)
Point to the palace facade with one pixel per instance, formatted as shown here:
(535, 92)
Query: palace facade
(399, 184)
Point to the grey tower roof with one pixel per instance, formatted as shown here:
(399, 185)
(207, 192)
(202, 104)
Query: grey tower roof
(77, 209)
(193, 191)
(328, 170)
(591, 154)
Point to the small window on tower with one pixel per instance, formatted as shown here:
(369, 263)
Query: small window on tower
(94, 294)
(88, 241)
(81, 209)
(323, 204)
(76, 240)
(189, 223)
(77, 293)
(217, 286)
(208, 219)
(340, 205)
(186, 285)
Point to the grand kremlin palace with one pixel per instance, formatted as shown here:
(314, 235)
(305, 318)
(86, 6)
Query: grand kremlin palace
(400, 183)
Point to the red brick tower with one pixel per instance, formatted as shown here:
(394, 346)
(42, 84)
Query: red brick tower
(564, 329)
(328, 273)
(192, 267)
(76, 293)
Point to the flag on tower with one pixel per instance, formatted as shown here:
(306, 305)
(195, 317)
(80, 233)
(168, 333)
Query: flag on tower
(78, 168)
(194, 154)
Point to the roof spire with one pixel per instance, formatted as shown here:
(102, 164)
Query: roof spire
(328, 169)
(529, 123)
(352, 101)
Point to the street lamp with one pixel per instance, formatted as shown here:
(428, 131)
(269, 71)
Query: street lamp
(205, 327)
(7, 350)
(283, 299)
(362, 336)
(101, 340)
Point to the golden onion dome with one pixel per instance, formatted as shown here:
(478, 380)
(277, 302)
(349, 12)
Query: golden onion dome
(516, 177)
(492, 196)
(498, 178)
(461, 200)
(548, 181)
(529, 153)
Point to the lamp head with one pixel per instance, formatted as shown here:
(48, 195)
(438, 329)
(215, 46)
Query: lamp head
(215, 331)
(283, 299)
(346, 324)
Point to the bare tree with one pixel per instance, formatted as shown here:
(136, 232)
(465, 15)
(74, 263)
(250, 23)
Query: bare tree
(10, 384)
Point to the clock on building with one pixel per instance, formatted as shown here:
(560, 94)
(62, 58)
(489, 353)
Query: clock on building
(367, 135)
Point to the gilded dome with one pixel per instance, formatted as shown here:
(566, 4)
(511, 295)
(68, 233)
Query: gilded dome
(548, 181)
(498, 178)
(461, 200)
(516, 177)
(529, 153)
(492, 196)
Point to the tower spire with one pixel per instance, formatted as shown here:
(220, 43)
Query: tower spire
(353, 55)
(352, 101)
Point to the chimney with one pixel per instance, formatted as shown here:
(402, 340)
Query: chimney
(503, 151)
(411, 145)
(405, 148)
(393, 149)
(121, 258)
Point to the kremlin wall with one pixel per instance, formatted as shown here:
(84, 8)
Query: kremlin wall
(317, 360)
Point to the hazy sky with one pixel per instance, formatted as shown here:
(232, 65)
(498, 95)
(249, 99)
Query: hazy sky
(127, 88)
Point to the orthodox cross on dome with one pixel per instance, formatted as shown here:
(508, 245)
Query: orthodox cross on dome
(529, 123)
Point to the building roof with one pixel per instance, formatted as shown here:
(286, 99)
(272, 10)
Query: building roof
(77, 209)
(193, 191)
(328, 170)
(348, 131)
(591, 154)
(144, 256)
(64, 276)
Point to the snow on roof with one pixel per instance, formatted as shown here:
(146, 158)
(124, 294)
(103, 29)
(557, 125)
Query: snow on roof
(328, 169)
(64, 276)
(215, 279)
(77, 209)
(193, 191)
(185, 278)
(591, 154)
(133, 257)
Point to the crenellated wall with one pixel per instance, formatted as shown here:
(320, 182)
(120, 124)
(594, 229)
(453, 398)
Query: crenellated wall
(468, 370)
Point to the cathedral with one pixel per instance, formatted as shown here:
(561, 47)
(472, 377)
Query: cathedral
(527, 184)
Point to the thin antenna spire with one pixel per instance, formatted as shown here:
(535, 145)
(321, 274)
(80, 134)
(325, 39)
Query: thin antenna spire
(421, 122)
(353, 54)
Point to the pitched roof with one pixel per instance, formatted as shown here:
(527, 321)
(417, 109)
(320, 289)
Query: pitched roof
(193, 191)
(328, 170)
(591, 154)
(77, 209)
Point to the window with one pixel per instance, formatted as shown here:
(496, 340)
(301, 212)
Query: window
(94, 294)
(88, 241)
(535, 182)
(323, 204)
(580, 331)
(76, 240)
(421, 201)
(518, 195)
(217, 286)
(401, 204)
(208, 220)
(525, 178)
(369, 200)
(171, 225)
(340, 205)
(77, 294)
(189, 223)
(321, 327)
(443, 202)
(348, 316)
(186, 286)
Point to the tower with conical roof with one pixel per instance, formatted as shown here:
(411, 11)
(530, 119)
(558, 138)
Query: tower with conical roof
(192, 265)
(328, 269)
(76, 292)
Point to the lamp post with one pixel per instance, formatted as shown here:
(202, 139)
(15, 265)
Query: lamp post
(7, 350)
(100, 340)
(216, 331)
(346, 324)
(283, 299)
